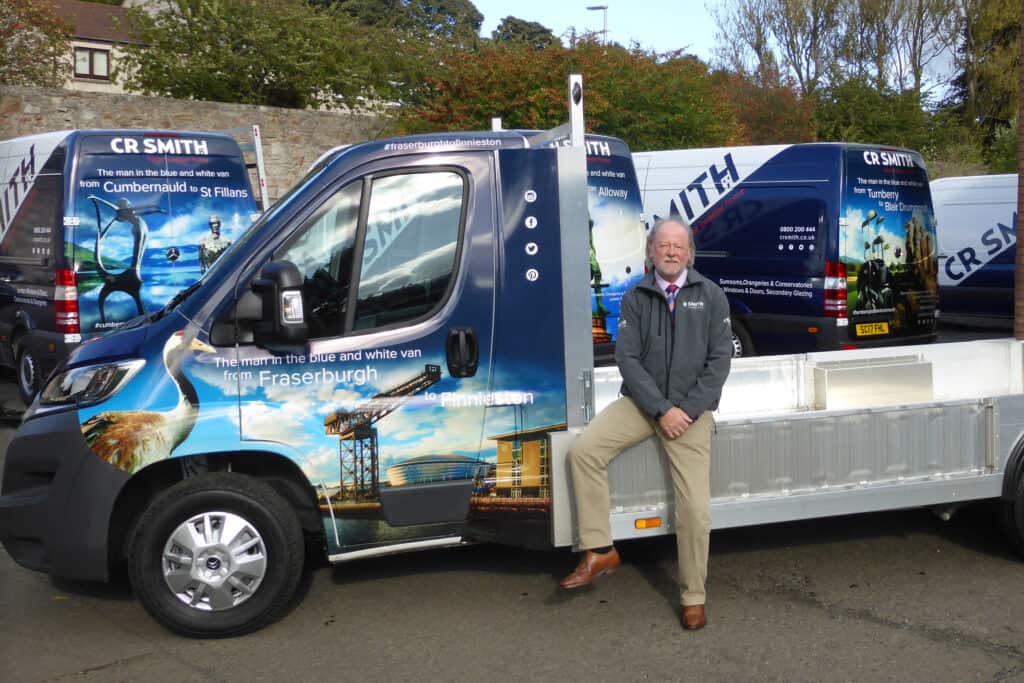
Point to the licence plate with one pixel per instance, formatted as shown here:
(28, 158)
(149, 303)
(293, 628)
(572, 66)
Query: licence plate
(868, 329)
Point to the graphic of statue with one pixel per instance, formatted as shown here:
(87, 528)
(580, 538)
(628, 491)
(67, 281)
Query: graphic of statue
(212, 245)
(128, 280)
(599, 315)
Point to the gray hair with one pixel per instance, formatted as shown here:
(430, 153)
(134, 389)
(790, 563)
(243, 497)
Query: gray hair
(653, 232)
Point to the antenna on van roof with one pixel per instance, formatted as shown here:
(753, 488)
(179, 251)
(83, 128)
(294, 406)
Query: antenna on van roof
(572, 131)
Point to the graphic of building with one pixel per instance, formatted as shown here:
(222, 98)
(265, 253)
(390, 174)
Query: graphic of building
(430, 468)
(524, 463)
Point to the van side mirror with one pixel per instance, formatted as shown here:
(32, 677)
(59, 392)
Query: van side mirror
(279, 287)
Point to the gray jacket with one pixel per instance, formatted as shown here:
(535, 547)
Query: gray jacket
(682, 362)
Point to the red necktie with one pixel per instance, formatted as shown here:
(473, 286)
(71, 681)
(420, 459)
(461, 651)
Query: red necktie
(670, 295)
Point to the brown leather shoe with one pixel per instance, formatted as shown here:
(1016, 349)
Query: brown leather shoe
(591, 566)
(693, 617)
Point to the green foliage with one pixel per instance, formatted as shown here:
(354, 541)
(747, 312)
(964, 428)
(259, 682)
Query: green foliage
(450, 23)
(272, 52)
(853, 110)
(34, 45)
(652, 103)
(985, 88)
(1002, 153)
(529, 33)
(766, 110)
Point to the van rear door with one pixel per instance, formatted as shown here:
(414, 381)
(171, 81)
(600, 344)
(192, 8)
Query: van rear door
(888, 245)
(154, 210)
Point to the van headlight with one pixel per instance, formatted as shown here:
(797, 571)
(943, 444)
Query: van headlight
(89, 384)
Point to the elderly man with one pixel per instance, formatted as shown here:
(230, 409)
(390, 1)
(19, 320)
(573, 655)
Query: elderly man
(673, 350)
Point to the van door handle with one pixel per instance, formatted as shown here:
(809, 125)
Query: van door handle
(463, 352)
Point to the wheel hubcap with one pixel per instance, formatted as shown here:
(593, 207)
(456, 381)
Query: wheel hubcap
(214, 561)
(27, 372)
(737, 346)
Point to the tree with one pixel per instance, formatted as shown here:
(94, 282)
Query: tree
(854, 110)
(35, 44)
(530, 33)
(274, 52)
(925, 30)
(414, 36)
(766, 110)
(869, 42)
(984, 90)
(745, 40)
(807, 34)
(450, 23)
(652, 101)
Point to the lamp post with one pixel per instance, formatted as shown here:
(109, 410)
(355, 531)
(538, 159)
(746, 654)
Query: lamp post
(604, 10)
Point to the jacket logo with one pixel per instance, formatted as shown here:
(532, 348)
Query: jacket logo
(693, 305)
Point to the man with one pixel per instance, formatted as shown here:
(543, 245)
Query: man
(673, 350)
(212, 245)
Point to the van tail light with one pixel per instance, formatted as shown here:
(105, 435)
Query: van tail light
(65, 302)
(835, 289)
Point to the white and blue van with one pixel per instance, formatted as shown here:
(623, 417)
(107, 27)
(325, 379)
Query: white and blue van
(976, 220)
(99, 226)
(379, 364)
(818, 246)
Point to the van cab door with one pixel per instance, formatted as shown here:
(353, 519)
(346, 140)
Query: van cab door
(383, 408)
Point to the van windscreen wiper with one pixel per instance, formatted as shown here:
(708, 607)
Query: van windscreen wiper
(177, 299)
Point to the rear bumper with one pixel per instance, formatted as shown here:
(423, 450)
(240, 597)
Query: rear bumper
(773, 333)
(57, 500)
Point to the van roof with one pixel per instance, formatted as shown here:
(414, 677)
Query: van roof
(999, 179)
(459, 142)
(822, 145)
(78, 132)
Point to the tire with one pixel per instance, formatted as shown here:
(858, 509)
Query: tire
(195, 585)
(1012, 517)
(742, 344)
(27, 373)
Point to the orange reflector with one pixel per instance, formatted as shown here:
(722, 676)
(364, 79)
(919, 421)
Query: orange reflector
(812, 330)
(847, 347)
(648, 523)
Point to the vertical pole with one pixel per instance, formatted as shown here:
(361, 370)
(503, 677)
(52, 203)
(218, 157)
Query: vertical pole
(261, 171)
(1018, 280)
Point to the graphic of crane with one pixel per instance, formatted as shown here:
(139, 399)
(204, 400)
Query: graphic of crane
(357, 437)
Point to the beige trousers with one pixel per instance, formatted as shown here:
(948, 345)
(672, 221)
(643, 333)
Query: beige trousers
(616, 428)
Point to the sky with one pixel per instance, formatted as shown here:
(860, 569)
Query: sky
(661, 25)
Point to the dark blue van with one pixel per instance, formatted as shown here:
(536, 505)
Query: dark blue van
(99, 226)
(818, 246)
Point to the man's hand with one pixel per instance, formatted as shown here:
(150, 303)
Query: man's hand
(674, 422)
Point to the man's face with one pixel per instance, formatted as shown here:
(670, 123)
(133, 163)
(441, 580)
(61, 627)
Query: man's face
(215, 228)
(670, 250)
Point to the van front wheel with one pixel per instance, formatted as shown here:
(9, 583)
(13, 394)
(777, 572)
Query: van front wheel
(742, 344)
(29, 374)
(216, 555)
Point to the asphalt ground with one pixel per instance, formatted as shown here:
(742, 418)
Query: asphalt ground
(899, 596)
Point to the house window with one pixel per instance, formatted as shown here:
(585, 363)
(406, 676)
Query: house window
(91, 63)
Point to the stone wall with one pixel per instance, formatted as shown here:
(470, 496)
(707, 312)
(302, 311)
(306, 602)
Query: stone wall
(292, 138)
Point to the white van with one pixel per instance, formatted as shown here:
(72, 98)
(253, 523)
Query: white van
(976, 221)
